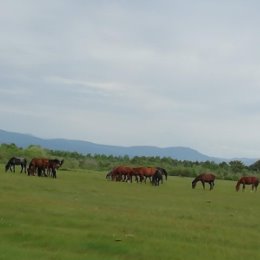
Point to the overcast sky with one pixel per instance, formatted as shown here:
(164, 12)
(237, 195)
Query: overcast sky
(161, 73)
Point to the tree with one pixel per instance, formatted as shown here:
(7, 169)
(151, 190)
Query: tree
(236, 166)
(255, 166)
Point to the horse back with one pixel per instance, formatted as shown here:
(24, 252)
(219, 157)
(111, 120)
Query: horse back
(145, 171)
(39, 162)
(205, 177)
(249, 180)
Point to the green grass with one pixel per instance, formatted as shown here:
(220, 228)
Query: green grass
(80, 215)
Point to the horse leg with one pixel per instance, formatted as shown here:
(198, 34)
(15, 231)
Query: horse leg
(161, 177)
(129, 178)
(203, 184)
(53, 173)
(244, 186)
(254, 187)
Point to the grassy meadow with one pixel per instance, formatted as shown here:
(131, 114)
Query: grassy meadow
(80, 215)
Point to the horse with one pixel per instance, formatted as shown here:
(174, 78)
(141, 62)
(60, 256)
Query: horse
(249, 180)
(157, 177)
(163, 171)
(145, 172)
(16, 161)
(53, 165)
(204, 178)
(40, 165)
(121, 173)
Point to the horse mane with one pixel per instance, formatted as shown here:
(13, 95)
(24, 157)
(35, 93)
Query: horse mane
(197, 178)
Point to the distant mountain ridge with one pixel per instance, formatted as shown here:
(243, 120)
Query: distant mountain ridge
(85, 147)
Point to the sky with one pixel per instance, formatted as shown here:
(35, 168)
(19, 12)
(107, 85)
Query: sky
(160, 73)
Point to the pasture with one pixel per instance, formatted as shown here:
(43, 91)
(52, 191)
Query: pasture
(81, 215)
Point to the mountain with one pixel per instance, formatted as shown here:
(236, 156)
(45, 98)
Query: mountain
(84, 147)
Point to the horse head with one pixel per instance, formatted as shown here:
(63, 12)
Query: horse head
(61, 162)
(7, 166)
(163, 171)
(109, 175)
(57, 163)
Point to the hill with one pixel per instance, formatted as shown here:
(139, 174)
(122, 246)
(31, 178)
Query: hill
(85, 147)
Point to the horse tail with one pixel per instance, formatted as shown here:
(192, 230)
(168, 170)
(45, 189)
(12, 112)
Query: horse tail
(165, 174)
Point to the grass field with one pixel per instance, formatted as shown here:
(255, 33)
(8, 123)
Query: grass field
(80, 215)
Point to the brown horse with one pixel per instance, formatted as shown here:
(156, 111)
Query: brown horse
(145, 172)
(41, 165)
(204, 178)
(249, 180)
(125, 173)
(121, 173)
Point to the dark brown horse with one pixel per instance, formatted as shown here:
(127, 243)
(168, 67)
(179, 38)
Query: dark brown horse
(53, 166)
(204, 178)
(163, 172)
(157, 177)
(16, 161)
(249, 180)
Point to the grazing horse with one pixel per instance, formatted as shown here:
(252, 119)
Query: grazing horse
(40, 165)
(121, 173)
(249, 180)
(16, 161)
(204, 178)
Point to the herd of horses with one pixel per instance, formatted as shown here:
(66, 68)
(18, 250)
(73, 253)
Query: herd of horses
(140, 174)
(155, 175)
(37, 166)
(49, 167)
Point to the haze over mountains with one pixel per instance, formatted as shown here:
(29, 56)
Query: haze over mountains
(85, 147)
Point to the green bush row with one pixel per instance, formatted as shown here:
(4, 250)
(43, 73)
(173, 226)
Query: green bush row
(73, 160)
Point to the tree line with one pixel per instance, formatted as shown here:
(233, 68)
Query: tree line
(231, 170)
